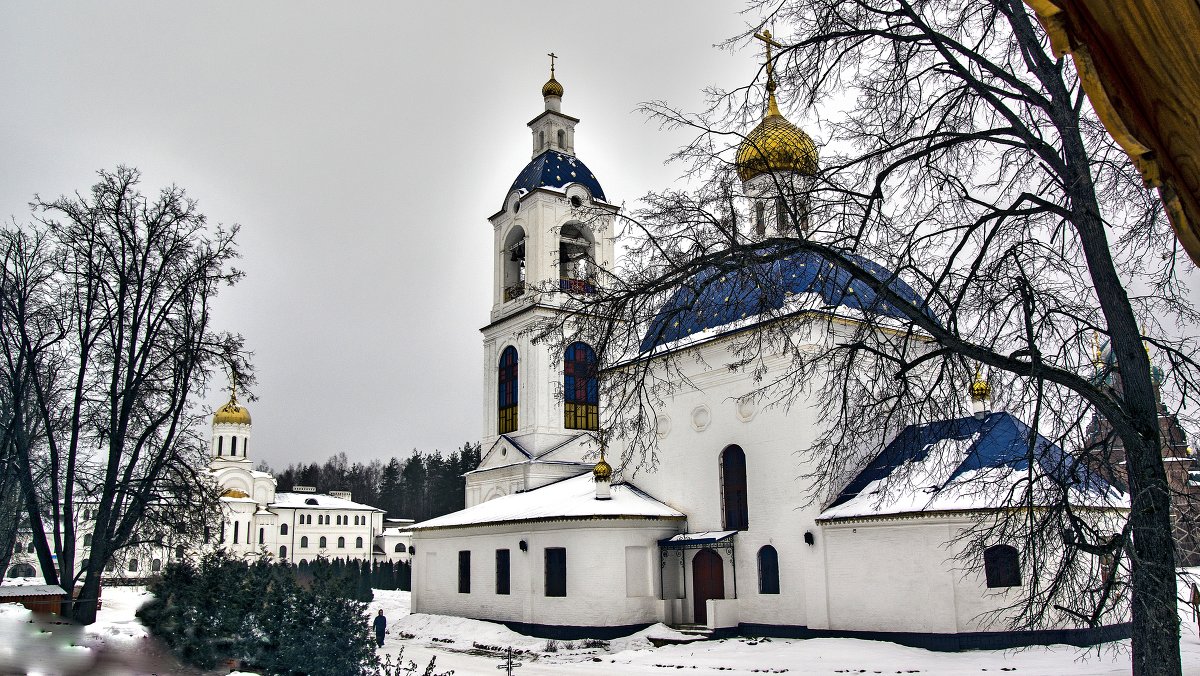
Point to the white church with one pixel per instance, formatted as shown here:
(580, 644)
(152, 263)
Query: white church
(296, 526)
(256, 520)
(555, 542)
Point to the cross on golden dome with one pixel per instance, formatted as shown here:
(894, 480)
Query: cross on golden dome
(552, 86)
(775, 144)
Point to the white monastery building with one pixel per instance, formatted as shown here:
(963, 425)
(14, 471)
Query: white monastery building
(256, 520)
(297, 526)
(719, 534)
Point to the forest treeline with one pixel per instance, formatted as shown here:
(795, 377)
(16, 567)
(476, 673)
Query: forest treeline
(421, 486)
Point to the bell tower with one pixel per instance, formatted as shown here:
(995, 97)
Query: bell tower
(231, 432)
(552, 237)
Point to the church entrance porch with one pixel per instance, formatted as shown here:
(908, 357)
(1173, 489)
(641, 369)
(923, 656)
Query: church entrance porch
(702, 575)
(708, 582)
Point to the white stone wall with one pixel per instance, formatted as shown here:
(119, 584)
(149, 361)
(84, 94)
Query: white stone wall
(702, 423)
(902, 575)
(598, 592)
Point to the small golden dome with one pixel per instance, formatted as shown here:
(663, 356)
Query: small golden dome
(776, 145)
(232, 412)
(234, 493)
(602, 470)
(552, 88)
(980, 389)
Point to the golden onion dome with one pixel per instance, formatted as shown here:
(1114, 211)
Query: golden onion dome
(602, 470)
(232, 412)
(552, 88)
(980, 389)
(776, 145)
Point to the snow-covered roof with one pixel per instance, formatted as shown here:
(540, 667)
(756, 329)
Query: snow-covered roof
(969, 464)
(701, 538)
(320, 501)
(569, 499)
(18, 590)
(720, 299)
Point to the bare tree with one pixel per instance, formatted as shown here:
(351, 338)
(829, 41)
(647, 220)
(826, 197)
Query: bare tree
(964, 157)
(107, 336)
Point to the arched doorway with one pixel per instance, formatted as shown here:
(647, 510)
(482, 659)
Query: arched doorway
(708, 582)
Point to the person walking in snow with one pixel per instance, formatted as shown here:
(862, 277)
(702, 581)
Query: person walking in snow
(380, 626)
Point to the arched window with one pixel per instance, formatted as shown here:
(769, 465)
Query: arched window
(283, 529)
(179, 552)
(87, 540)
(220, 445)
(562, 139)
(541, 140)
(260, 535)
(508, 390)
(781, 221)
(133, 565)
(1002, 566)
(358, 543)
(512, 261)
(283, 552)
(29, 549)
(304, 542)
(341, 543)
(324, 542)
(155, 565)
(733, 488)
(232, 446)
(399, 548)
(235, 531)
(581, 397)
(768, 570)
(760, 218)
(21, 570)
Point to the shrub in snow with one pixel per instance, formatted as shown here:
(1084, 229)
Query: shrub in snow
(264, 615)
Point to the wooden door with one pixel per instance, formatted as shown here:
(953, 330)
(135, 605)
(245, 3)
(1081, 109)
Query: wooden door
(708, 582)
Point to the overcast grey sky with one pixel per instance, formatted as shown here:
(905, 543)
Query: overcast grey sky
(361, 147)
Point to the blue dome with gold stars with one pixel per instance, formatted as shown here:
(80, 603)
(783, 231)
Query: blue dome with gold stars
(553, 169)
(715, 297)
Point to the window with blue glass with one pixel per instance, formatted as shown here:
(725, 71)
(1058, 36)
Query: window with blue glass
(508, 390)
(581, 398)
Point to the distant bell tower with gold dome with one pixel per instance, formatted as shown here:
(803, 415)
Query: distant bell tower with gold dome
(776, 163)
(231, 431)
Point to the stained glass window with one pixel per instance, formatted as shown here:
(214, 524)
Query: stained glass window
(508, 390)
(581, 396)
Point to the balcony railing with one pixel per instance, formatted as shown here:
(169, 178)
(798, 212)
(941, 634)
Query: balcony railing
(514, 291)
(581, 286)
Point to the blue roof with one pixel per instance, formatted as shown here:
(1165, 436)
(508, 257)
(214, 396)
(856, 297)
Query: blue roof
(553, 169)
(997, 440)
(715, 297)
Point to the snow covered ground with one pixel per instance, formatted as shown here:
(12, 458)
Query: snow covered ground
(453, 641)
(118, 644)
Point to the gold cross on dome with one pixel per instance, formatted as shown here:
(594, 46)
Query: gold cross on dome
(765, 36)
(552, 56)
